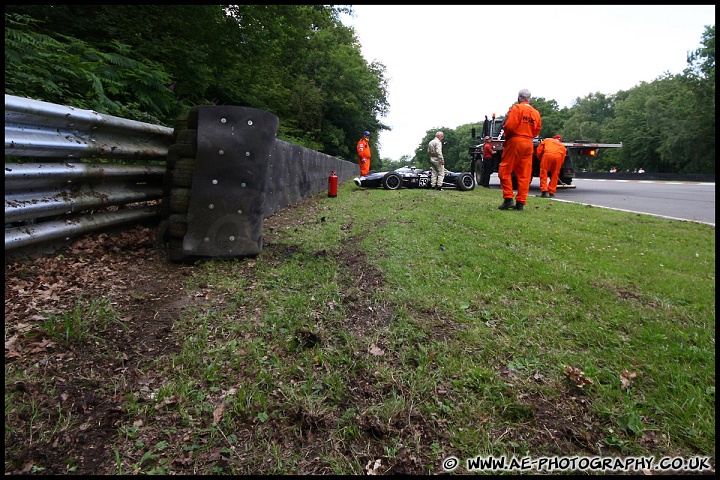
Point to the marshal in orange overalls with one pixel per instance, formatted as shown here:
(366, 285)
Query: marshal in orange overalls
(551, 153)
(522, 124)
(363, 150)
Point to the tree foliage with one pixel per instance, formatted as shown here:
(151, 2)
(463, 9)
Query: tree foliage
(69, 71)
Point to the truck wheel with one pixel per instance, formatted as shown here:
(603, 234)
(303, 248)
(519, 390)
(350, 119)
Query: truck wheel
(565, 180)
(392, 181)
(478, 172)
(465, 182)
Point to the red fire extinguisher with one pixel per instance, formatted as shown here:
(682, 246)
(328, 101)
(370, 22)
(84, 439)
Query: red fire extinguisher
(332, 185)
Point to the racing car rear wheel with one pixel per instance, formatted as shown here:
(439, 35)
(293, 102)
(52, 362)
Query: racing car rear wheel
(392, 181)
(465, 182)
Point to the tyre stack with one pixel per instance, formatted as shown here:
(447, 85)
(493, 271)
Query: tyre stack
(181, 159)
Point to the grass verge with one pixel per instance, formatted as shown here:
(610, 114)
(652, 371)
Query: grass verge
(386, 331)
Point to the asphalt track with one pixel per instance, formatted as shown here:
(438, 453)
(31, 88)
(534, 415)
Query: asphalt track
(685, 201)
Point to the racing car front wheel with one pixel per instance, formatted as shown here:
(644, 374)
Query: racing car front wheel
(392, 181)
(465, 182)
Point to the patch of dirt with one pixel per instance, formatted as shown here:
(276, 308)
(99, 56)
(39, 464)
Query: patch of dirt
(86, 378)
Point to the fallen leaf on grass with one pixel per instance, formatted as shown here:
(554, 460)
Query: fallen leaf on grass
(11, 343)
(164, 401)
(217, 414)
(625, 378)
(37, 347)
(577, 376)
(374, 350)
(371, 468)
(27, 467)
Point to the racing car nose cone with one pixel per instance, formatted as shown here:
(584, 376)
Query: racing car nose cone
(357, 181)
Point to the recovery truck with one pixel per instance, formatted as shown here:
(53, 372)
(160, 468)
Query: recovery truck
(493, 128)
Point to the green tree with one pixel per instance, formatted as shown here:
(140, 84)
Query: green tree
(152, 62)
(69, 71)
(702, 61)
(189, 41)
(455, 148)
(586, 117)
(668, 125)
(459, 151)
(553, 117)
(697, 141)
(635, 122)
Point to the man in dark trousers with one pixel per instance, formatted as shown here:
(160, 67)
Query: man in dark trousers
(487, 163)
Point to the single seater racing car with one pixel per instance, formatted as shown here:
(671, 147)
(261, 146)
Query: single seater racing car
(412, 177)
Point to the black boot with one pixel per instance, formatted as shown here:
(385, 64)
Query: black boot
(519, 206)
(507, 204)
(544, 195)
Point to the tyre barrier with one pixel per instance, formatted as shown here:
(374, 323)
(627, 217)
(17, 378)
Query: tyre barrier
(229, 173)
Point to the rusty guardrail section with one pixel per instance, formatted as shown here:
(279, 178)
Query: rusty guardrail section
(40, 129)
(59, 198)
(62, 197)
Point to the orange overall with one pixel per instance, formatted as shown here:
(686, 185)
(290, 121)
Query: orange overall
(363, 150)
(551, 153)
(522, 124)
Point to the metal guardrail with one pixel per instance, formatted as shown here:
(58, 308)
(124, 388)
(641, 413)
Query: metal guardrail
(40, 129)
(61, 197)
